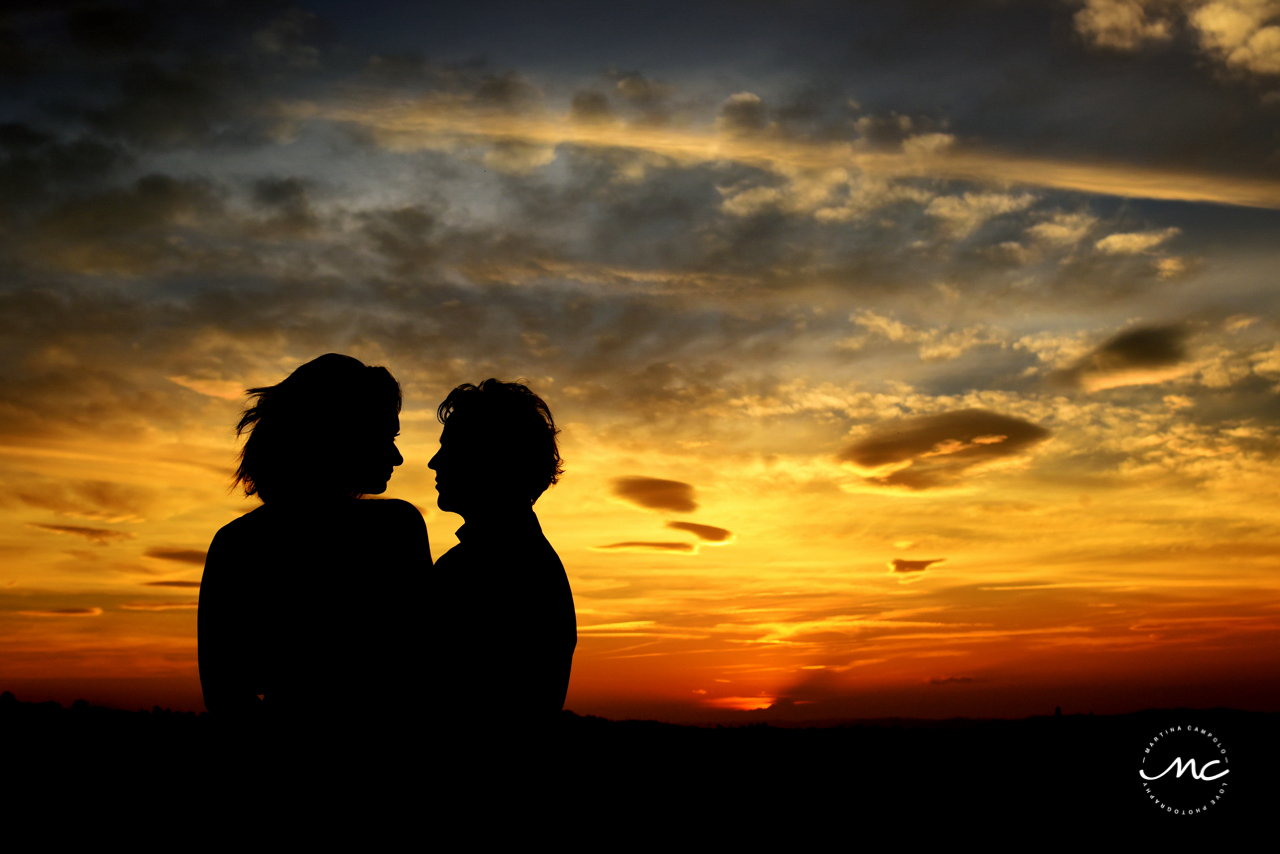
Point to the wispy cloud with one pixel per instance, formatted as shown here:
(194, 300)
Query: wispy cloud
(640, 546)
(195, 556)
(63, 612)
(99, 536)
(707, 533)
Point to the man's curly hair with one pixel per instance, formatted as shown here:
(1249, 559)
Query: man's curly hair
(515, 424)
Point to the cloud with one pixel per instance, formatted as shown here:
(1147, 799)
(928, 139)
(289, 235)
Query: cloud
(902, 565)
(710, 533)
(126, 230)
(1241, 35)
(101, 501)
(656, 494)
(412, 125)
(962, 215)
(685, 548)
(953, 680)
(1138, 356)
(1134, 242)
(195, 556)
(1121, 24)
(101, 536)
(288, 201)
(160, 606)
(742, 113)
(935, 450)
(199, 101)
(935, 344)
(194, 584)
(64, 612)
(590, 106)
(1063, 229)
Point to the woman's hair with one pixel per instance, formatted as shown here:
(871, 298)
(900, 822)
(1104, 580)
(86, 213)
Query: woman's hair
(512, 423)
(303, 430)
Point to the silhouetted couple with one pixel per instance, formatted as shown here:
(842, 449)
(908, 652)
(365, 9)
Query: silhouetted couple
(321, 614)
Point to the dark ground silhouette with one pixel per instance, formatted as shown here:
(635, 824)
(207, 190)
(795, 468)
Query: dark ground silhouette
(978, 777)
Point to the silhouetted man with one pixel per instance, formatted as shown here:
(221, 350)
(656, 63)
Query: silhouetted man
(505, 603)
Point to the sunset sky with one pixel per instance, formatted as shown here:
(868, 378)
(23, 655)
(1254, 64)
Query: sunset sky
(912, 358)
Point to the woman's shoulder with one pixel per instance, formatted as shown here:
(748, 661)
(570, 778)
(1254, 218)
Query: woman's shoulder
(245, 527)
(391, 507)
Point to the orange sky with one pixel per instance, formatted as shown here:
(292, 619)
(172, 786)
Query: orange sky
(878, 398)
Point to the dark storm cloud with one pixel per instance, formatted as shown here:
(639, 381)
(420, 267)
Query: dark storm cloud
(743, 112)
(154, 200)
(935, 450)
(406, 237)
(184, 584)
(710, 533)
(656, 494)
(506, 89)
(115, 29)
(201, 102)
(99, 536)
(289, 203)
(181, 555)
(590, 106)
(16, 61)
(902, 565)
(123, 229)
(646, 546)
(649, 97)
(1137, 350)
(36, 165)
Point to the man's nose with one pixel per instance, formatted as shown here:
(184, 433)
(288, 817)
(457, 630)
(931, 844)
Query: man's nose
(398, 458)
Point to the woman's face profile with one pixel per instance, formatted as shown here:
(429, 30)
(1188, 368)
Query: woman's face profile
(374, 456)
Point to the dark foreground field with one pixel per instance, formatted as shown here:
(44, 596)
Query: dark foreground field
(1032, 780)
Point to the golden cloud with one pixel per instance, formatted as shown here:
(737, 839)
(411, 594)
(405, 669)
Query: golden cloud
(709, 533)
(100, 536)
(656, 494)
(900, 565)
(195, 556)
(1140, 356)
(934, 450)
(636, 546)
(448, 125)
(64, 612)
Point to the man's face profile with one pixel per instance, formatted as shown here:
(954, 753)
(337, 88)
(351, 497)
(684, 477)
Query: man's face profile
(470, 475)
(451, 467)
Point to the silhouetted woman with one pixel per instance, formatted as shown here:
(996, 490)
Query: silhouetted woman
(307, 603)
